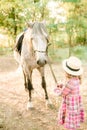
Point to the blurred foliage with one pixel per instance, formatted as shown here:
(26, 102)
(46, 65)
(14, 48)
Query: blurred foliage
(71, 0)
(14, 14)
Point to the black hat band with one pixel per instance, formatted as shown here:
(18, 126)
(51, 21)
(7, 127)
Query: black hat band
(71, 68)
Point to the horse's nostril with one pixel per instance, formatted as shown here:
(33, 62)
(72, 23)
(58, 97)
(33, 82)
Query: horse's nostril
(45, 61)
(38, 62)
(41, 63)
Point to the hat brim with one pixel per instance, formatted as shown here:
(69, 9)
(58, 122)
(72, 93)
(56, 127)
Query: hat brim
(75, 73)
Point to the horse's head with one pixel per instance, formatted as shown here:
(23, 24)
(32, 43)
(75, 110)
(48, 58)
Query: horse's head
(39, 41)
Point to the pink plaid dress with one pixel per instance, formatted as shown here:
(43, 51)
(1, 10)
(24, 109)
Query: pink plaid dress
(71, 112)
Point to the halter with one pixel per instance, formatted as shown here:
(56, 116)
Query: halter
(40, 51)
(43, 51)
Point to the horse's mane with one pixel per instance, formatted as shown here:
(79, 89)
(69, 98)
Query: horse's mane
(38, 28)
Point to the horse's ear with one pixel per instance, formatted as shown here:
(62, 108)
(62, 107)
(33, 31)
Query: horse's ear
(30, 24)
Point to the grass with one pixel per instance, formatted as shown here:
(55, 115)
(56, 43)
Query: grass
(6, 50)
(58, 54)
(81, 52)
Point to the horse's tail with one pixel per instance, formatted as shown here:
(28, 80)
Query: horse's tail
(18, 47)
(17, 56)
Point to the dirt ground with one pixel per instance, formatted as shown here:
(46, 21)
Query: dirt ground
(14, 98)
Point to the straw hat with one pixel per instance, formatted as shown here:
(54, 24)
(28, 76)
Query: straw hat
(72, 66)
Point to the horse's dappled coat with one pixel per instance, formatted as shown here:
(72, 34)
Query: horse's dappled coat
(34, 54)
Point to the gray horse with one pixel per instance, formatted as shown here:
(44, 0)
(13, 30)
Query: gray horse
(31, 52)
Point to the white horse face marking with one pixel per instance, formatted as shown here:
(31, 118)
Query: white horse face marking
(40, 48)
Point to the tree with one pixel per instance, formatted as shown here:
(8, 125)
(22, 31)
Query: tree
(76, 26)
(11, 15)
(15, 13)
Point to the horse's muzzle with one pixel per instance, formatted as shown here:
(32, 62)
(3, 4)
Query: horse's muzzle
(41, 62)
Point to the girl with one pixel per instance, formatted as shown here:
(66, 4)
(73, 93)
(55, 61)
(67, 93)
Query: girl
(71, 112)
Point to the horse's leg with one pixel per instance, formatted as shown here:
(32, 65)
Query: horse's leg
(44, 87)
(25, 81)
(41, 70)
(30, 88)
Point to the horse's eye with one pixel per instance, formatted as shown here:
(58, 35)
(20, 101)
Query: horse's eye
(47, 40)
(47, 47)
(49, 44)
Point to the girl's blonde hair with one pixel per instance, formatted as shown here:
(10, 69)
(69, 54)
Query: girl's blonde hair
(71, 76)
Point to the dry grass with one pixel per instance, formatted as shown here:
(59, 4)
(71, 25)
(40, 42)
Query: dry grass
(13, 99)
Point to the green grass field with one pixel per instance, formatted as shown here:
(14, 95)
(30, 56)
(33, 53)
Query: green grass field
(59, 54)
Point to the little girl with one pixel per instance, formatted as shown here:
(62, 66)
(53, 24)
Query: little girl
(71, 112)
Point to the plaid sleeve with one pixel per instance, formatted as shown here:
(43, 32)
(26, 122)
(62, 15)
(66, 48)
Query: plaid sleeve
(66, 90)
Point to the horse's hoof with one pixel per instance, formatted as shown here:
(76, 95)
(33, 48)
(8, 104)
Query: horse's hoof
(30, 105)
(48, 103)
(26, 89)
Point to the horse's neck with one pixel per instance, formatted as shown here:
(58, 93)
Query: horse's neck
(27, 51)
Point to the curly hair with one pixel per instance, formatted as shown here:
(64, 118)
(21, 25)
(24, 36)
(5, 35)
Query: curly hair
(71, 76)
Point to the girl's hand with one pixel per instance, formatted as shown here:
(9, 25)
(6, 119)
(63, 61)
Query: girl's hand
(60, 85)
(57, 91)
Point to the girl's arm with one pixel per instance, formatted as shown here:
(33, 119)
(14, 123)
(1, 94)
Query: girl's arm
(66, 90)
(63, 90)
